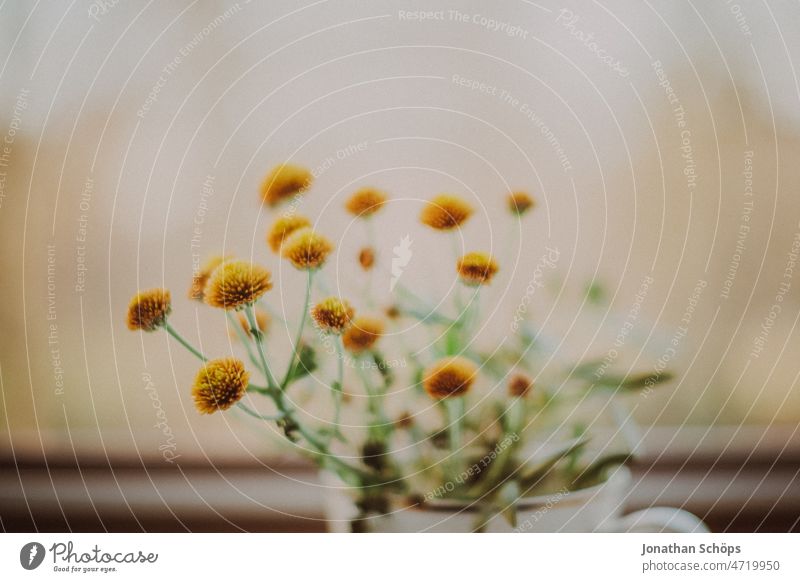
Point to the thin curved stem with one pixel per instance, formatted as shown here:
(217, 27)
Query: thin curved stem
(370, 228)
(299, 335)
(255, 414)
(240, 333)
(171, 331)
(380, 424)
(251, 318)
(455, 412)
(338, 387)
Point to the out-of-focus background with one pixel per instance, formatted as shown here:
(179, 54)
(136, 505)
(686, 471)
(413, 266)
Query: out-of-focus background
(659, 140)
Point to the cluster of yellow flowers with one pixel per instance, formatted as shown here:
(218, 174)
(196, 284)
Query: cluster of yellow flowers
(236, 285)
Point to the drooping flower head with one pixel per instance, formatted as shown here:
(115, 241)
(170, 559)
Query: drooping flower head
(148, 310)
(200, 278)
(445, 212)
(366, 202)
(235, 284)
(285, 181)
(306, 249)
(519, 385)
(476, 268)
(333, 314)
(262, 321)
(283, 227)
(219, 385)
(366, 258)
(362, 334)
(520, 202)
(449, 377)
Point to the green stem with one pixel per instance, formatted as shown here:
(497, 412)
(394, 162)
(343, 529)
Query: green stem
(455, 412)
(470, 315)
(370, 228)
(379, 427)
(171, 331)
(243, 338)
(299, 335)
(255, 414)
(322, 450)
(338, 387)
(251, 318)
(285, 414)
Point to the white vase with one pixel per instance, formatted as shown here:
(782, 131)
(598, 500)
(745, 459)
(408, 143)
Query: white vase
(597, 508)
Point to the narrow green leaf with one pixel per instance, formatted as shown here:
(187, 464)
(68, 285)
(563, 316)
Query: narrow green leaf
(596, 469)
(532, 475)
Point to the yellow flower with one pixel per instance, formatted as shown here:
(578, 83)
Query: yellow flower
(237, 283)
(445, 212)
(262, 321)
(362, 334)
(366, 202)
(449, 377)
(200, 278)
(148, 310)
(332, 314)
(519, 385)
(476, 268)
(306, 249)
(283, 182)
(366, 258)
(520, 202)
(283, 227)
(219, 385)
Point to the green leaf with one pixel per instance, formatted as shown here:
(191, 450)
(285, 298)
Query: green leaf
(595, 471)
(452, 341)
(534, 474)
(304, 364)
(633, 381)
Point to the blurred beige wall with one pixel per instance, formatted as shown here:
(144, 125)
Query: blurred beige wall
(100, 176)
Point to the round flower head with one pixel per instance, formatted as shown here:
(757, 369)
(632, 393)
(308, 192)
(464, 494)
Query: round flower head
(449, 377)
(519, 385)
(476, 268)
(306, 249)
(362, 334)
(366, 202)
(283, 227)
(148, 310)
(262, 321)
(200, 278)
(520, 202)
(237, 283)
(332, 315)
(445, 212)
(219, 385)
(285, 181)
(366, 258)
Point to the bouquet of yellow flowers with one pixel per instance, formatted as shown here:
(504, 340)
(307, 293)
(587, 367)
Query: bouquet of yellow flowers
(450, 448)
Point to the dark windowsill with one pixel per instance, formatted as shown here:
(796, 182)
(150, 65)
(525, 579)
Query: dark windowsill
(737, 479)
